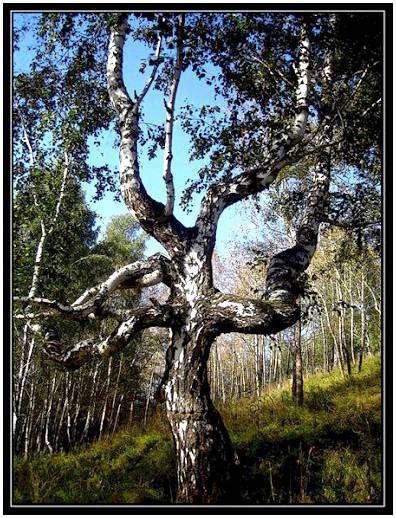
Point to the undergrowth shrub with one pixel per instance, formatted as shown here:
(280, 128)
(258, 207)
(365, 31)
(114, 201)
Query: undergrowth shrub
(319, 399)
(121, 469)
(351, 476)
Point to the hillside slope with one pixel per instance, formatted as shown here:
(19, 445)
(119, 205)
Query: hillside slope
(329, 451)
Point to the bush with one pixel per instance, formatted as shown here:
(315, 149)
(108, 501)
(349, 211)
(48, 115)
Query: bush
(319, 399)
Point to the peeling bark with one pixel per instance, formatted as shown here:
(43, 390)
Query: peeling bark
(205, 457)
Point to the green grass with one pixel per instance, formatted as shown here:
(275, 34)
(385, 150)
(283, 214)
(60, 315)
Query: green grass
(328, 451)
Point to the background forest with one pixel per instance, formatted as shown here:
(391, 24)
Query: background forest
(303, 406)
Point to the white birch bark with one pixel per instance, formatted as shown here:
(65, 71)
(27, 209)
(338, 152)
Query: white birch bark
(170, 116)
(115, 390)
(28, 339)
(91, 406)
(48, 414)
(101, 426)
(118, 413)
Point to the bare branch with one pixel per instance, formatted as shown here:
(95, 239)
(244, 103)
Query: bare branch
(27, 140)
(149, 212)
(273, 73)
(170, 112)
(360, 82)
(364, 75)
(139, 98)
(47, 303)
(61, 192)
(373, 105)
(32, 316)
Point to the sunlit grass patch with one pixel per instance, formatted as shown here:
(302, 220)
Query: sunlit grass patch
(327, 451)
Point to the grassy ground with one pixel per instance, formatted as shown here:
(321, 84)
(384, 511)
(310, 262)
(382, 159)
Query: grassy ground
(329, 451)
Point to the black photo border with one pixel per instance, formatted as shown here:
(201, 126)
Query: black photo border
(386, 507)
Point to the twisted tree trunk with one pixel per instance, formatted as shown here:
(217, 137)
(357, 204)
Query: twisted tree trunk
(203, 448)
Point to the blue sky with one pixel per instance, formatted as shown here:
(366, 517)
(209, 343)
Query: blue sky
(232, 224)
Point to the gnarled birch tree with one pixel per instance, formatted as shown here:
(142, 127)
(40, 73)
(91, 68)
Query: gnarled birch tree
(293, 88)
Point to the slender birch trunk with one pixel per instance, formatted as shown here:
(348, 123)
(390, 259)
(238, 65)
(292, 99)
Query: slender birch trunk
(298, 383)
(362, 322)
(102, 419)
(336, 342)
(115, 390)
(90, 412)
(148, 397)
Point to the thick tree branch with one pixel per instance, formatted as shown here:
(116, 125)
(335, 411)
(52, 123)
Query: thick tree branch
(86, 350)
(281, 310)
(223, 193)
(170, 113)
(286, 267)
(147, 211)
(140, 274)
(251, 316)
(135, 275)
